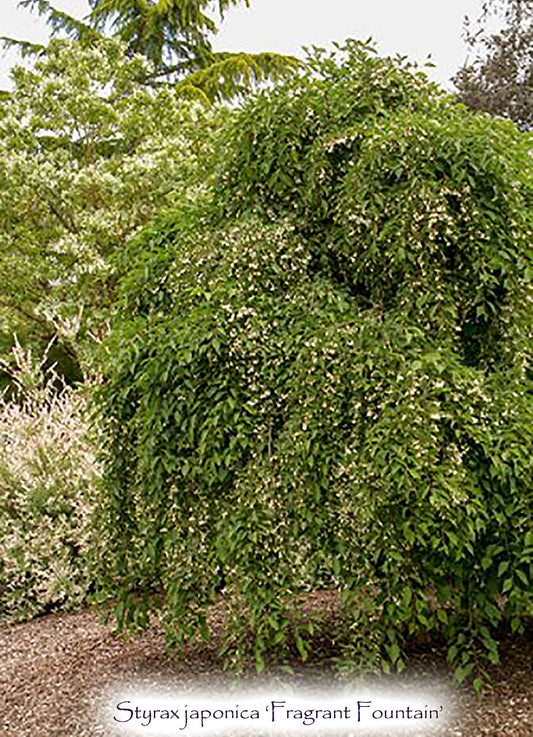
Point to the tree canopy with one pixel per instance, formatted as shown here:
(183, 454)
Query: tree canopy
(321, 379)
(88, 155)
(500, 79)
(174, 36)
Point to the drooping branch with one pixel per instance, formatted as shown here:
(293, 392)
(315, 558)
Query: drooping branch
(59, 21)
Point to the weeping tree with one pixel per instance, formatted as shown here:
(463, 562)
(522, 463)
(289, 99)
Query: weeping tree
(321, 381)
(175, 37)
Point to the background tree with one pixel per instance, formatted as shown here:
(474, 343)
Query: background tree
(500, 79)
(174, 35)
(88, 155)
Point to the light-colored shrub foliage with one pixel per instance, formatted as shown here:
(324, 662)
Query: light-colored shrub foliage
(329, 386)
(48, 471)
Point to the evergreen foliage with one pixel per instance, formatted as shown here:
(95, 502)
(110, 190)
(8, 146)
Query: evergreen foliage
(322, 380)
(163, 31)
(174, 37)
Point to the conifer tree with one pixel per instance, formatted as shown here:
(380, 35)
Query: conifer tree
(174, 35)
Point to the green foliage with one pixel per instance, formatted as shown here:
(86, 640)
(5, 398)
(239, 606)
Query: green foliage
(284, 149)
(59, 22)
(163, 31)
(229, 76)
(173, 36)
(88, 155)
(323, 380)
(48, 474)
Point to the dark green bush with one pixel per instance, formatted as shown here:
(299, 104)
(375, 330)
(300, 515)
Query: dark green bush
(326, 382)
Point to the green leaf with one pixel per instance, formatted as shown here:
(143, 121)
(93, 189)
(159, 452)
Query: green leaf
(504, 565)
(507, 585)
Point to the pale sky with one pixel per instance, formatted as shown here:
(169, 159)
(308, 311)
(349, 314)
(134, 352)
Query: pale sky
(415, 28)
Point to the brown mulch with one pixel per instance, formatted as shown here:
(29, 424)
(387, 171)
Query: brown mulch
(57, 672)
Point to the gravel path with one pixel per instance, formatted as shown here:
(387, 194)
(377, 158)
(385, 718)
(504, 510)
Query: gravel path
(57, 672)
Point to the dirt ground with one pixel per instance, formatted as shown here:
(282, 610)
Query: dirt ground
(59, 675)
